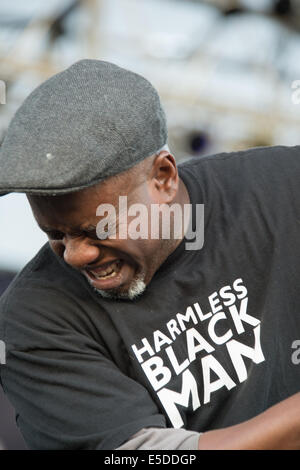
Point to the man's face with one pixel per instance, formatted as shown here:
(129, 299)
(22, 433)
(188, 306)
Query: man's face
(115, 267)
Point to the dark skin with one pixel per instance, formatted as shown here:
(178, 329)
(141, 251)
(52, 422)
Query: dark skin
(277, 428)
(155, 180)
(68, 219)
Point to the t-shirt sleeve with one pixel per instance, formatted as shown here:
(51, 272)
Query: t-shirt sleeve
(66, 390)
(162, 439)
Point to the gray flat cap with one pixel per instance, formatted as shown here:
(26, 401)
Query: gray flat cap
(87, 123)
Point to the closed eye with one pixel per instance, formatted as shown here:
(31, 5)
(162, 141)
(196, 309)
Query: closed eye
(55, 235)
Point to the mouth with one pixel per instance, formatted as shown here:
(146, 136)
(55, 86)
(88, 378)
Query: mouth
(110, 275)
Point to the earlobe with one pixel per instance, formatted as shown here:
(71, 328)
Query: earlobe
(163, 190)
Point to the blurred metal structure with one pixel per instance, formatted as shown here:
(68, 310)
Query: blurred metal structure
(225, 79)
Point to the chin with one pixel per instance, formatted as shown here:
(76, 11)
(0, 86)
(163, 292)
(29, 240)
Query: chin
(136, 289)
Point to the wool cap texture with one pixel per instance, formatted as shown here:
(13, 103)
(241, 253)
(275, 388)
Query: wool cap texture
(81, 126)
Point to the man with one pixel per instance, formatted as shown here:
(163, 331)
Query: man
(120, 341)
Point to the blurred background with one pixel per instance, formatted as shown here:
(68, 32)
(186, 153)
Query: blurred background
(227, 71)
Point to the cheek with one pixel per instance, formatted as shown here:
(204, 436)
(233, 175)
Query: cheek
(150, 251)
(135, 252)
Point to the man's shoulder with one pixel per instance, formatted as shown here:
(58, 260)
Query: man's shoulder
(43, 267)
(264, 155)
(246, 170)
(43, 280)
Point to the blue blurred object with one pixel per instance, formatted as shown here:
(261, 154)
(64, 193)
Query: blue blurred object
(198, 141)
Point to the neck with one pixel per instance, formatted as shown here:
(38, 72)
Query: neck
(183, 195)
(182, 198)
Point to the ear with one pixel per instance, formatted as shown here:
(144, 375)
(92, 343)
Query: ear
(163, 178)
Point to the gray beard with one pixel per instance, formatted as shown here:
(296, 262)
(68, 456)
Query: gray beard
(136, 288)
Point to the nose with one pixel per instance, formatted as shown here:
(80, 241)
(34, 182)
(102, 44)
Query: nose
(78, 253)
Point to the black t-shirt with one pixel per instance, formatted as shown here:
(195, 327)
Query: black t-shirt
(210, 342)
